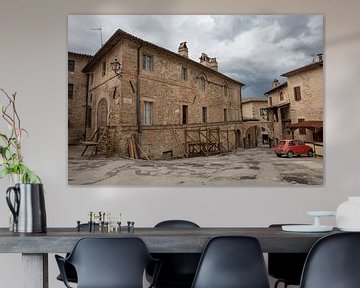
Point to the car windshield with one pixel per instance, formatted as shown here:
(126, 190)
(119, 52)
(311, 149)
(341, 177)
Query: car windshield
(282, 143)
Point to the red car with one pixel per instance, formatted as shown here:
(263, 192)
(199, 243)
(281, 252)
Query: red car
(293, 147)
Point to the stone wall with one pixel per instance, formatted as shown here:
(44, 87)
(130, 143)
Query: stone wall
(168, 92)
(309, 108)
(76, 103)
(251, 109)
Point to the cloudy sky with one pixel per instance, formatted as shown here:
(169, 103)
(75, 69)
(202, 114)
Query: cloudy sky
(253, 49)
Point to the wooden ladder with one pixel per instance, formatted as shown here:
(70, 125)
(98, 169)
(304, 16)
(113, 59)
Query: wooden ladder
(95, 140)
(178, 142)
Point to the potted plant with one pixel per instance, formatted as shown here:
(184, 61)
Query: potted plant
(12, 161)
(26, 197)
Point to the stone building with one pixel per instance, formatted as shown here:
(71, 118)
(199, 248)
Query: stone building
(160, 103)
(255, 111)
(77, 82)
(296, 106)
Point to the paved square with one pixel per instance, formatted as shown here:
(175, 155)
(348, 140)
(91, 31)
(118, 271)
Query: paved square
(249, 167)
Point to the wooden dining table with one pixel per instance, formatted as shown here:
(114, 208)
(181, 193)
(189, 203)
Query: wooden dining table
(35, 247)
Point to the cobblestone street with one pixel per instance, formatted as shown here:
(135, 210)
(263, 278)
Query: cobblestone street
(250, 167)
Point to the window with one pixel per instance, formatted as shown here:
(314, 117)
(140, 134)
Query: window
(204, 114)
(225, 115)
(184, 114)
(281, 96)
(90, 97)
(226, 90)
(71, 65)
(70, 91)
(202, 83)
(103, 68)
(148, 62)
(92, 78)
(184, 73)
(302, 131)
(270, 101)
(148, 113)
(297, 93)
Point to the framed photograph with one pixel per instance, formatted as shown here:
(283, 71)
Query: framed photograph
(194, 100)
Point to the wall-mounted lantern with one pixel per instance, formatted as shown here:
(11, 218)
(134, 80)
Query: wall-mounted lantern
(116, 67)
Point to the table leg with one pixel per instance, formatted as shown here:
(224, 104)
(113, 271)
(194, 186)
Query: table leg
(35, 270)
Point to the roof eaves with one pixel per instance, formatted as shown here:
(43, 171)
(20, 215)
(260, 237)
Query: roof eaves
(303, 68)
(307, 124)
(275, 88)
(113, 40)
(254, 100)
(80, 54)
(278, 105)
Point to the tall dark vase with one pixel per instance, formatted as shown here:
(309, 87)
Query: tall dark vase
(27, 204)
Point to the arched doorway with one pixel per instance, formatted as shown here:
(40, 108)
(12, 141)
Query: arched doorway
(250, 137)
(102, 113)
(257, 135)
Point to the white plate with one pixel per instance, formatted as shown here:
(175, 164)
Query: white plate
(306, 228)
(321, 213)
(350, 229)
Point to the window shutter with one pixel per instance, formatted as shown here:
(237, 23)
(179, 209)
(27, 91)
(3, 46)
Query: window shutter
(297, 93)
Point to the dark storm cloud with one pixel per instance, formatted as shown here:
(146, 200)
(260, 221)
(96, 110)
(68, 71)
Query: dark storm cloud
(300, 28)
(253, 49)
(228, 27)
(292, 26)
(257, 76)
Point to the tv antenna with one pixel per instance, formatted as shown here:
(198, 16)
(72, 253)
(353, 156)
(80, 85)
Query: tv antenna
(101, 38)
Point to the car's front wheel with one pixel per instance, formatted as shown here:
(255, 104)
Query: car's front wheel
(290, 154)
(311, 153)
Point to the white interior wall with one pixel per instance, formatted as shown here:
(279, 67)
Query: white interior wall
(33, 53)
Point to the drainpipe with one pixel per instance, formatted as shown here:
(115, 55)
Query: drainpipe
(138, 118)
(241, 111)
(86, 104)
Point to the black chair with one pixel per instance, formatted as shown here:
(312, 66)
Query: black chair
(286, 267)
(69, 269)
(333, 262)
(178, 269)
(108, 263)
(232, 262)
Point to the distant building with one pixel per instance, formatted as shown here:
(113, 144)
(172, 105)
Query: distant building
(77, 82)
(295, 107)
(169, 104)
(255, 110)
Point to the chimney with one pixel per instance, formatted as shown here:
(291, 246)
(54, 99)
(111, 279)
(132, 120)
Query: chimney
(320, 57)
(204, 59)
(213, 63)
(275, 83)
(183, 50)
(208, 62)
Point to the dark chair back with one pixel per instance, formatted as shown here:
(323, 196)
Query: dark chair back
(108, 262)
(178, 269)
(232, 262)
(333, 262)
(69, 269)
(286, 267)
(176, 224)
